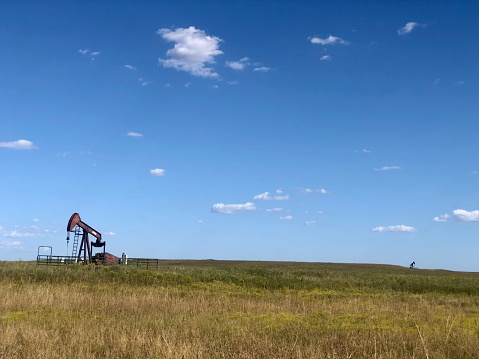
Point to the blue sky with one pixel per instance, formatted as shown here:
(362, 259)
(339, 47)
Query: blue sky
(325, 131)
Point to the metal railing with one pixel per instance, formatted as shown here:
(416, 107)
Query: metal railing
(50, 260)
(145, 263)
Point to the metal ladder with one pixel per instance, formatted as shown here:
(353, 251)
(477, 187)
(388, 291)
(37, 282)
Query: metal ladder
(75, 241)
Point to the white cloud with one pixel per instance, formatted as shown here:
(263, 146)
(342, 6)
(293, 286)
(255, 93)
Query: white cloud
(406, 29)
(17, 234)
(130, 67)
(143, 81)
(266, 196)
(325, 57)
(460, 215)
(276, 209)
(158, 172)
(280, 196)
(18, 145)
(330, 40)
(49, 230)
(388, 168)
(11, 245)
(442, 218)
(88, 53)
(318, 190)
(262, 69)
(396, 228)
(238, 65)
(110, 233)
(192, 52)
(134, 134)
(466, 216)
(288, 217)
(363, 151)
(232, 208)
(310, 223)
(31, 231)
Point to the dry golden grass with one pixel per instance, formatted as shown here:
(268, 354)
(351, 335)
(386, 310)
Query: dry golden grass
(199, 312)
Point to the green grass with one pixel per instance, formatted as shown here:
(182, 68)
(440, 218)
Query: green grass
(236, 309)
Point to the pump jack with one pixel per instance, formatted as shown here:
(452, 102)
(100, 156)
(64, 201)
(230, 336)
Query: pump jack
(80, 228)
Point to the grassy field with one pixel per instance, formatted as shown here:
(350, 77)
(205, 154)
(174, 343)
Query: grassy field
(223, 309)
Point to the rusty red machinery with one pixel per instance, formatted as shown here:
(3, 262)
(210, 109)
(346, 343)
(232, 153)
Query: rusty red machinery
(84, 254)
